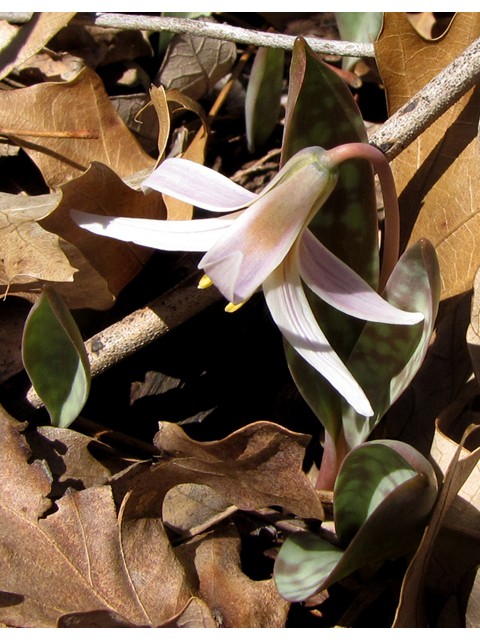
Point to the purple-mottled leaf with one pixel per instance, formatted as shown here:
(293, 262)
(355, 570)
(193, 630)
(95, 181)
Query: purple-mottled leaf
(383, 496)
(198, 185)
(321, 111)
(387, 357)
(262, 101)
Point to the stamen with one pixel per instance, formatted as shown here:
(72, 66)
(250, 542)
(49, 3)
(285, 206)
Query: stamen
(231, 308)
(205, 282)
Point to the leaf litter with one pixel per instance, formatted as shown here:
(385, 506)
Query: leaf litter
(121, 522)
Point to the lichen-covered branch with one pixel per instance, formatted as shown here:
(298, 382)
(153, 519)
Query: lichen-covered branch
(209, 30)
(429, 103)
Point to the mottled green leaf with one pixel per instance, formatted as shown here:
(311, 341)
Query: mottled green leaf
(262, 101)
(383, 496)
(55, 359)
(387, 357)
(304, 563)
(358, 27)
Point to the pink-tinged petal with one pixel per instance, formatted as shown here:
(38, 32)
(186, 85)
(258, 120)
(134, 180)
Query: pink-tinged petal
(261, 237)
(290, 310)
(336, 283)
(198, 185)
(169, 235)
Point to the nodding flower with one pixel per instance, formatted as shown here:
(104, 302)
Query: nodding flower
(263, 241)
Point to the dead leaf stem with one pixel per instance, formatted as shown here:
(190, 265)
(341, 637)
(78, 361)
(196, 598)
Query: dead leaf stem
(86, 134)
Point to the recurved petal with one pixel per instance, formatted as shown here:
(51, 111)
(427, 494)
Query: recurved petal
(264, 233)
(292, 314)
(169, 235)
(198, 185)
(336, 283)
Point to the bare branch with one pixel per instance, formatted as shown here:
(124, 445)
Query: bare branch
(209, 30)
(429, 103)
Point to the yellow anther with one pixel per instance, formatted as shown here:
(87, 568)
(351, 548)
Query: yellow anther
(205, 282)
(230, 308)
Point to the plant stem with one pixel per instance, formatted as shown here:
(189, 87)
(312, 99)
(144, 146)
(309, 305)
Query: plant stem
(380, 164)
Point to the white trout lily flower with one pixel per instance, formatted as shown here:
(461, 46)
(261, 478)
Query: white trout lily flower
(263, 240)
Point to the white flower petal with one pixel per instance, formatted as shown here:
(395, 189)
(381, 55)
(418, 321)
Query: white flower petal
(260, 238)
(336, 283)
(198, 185)
(169, 235)
(292, 313)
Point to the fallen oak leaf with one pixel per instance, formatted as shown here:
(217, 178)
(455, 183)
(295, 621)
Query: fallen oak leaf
(234, 599)
(195, 615)
(194, 64)
(258, 466)
(28, 251)
(74, 459)
(411, 611)
(81, 104)
(30, 38)
(80, 557)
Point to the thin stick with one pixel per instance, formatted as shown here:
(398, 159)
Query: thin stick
(208, 30)
(429, 103)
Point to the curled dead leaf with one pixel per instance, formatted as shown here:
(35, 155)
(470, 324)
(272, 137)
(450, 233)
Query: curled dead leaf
(79, 105)
(257, 466)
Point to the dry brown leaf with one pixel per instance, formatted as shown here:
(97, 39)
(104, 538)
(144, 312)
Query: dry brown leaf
(101, 618)
(80, 557)
(411, 611)
(177, 209)
(101, 46)
(189, 509)
(437, 176)
(235, 600)
(75, 460)
(423, 21)
(49, 66)
(30, 38)
(196, 615)
(257, 466)
(79, 105)
(194, 64)
(27, 251)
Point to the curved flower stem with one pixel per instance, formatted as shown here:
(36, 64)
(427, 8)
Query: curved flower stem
(381, 167)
